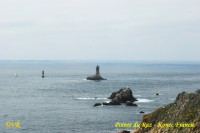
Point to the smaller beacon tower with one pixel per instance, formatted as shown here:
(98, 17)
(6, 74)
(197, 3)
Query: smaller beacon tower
(97, 71)
(43, 74)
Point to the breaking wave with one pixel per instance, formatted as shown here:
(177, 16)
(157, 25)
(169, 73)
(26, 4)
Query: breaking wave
(90, 98)
(144, 100)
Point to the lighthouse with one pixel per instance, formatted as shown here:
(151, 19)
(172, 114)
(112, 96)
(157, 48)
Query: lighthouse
(43, 74)
(97, 71)
(97, 75)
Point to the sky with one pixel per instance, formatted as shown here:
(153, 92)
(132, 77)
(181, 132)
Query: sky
(100, 30)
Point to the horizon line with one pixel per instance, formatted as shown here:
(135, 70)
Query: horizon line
(110, 60)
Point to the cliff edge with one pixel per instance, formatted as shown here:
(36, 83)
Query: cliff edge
(181, 116)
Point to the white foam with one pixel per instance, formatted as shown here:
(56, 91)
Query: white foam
(90, 98)
(144, 100)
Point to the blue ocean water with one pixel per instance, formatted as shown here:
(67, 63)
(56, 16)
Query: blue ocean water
(62, 102)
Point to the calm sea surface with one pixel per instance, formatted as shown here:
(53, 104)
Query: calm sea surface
(63, 101)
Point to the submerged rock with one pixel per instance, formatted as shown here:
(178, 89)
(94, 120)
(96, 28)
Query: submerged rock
(97, 104)
(124, 131)
(141, 112)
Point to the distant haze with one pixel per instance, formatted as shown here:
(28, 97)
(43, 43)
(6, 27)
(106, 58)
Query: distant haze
(100, 30)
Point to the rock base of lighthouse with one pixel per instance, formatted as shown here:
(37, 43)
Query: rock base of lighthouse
(95, 77)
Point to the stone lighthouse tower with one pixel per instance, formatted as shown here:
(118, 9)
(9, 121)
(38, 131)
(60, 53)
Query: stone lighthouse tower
(97, 71)
(97, 75)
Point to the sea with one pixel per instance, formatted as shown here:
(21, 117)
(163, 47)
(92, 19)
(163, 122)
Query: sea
(62, 102)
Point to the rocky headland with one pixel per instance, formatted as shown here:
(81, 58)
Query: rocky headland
(123, 96)
(181, 116)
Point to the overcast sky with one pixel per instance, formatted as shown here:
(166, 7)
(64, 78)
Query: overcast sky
(100, 29)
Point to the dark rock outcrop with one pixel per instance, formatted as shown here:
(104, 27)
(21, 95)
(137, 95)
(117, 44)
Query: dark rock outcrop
(141, 112)
(182, 116)
(124, 95)
(95, 77)
(97, 104)
(129, 103)
(124, 131)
